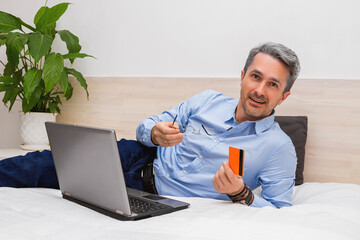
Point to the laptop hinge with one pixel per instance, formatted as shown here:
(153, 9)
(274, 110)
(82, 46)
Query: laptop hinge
(119, 212)
(66, 193)
(122, 213)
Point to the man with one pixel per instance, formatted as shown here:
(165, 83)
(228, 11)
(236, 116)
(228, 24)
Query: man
(194, 149)
(193, 139)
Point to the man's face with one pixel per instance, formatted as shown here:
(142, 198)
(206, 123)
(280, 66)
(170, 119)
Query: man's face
(262, 88)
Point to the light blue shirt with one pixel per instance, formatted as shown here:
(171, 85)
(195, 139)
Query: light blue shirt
(187, 169)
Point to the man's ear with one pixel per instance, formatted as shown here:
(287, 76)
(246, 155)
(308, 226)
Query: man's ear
(284, 96)
(242, 76)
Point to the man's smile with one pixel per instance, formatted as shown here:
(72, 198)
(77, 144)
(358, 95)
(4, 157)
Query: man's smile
(257, 101)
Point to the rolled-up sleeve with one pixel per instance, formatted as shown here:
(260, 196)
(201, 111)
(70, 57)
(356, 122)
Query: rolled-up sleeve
(183, 111)
(143, 132)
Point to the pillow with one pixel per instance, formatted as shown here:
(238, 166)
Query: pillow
(296, 128)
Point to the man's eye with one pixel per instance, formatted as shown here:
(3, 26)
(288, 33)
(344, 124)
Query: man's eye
(255, 76)
(273, 84)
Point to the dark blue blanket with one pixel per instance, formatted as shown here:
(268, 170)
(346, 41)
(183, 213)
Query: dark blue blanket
(36, 169)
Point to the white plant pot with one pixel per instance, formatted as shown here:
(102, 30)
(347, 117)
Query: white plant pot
(33, 132)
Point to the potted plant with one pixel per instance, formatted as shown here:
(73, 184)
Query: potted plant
(33, 73)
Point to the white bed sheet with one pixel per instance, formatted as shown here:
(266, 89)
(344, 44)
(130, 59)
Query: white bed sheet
(320, 211)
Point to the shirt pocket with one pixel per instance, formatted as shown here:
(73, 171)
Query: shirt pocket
(194, 167)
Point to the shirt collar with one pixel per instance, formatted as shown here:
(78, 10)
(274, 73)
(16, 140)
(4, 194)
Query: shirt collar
(260, 125)
(265, 123)
(229, 113)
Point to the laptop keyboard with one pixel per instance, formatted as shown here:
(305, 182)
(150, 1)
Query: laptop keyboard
(141, 206)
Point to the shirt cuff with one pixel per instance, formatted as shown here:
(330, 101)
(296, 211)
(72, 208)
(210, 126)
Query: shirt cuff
(260, 202)
(143, 132)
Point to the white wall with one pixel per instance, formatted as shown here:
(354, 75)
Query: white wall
(200, 38)
(207, 37)
(9, 126)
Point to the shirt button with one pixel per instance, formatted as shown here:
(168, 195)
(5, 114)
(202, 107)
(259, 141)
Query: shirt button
(215, 141)
(168, 175)
(184, 171)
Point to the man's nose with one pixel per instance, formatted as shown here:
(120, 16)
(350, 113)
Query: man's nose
(260, 89)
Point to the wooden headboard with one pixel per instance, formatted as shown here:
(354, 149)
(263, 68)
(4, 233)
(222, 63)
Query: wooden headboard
(332, 106)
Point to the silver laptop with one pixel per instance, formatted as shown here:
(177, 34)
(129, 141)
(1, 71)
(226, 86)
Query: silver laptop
(89, 171)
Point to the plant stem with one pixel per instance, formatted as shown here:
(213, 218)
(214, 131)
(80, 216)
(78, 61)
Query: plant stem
(40, 63)
(24, 63)
(21, 95)
(27, 26)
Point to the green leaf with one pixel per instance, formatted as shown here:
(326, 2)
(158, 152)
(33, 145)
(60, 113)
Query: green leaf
(31, 80)
(49, 16)
(53, 68)
(26, 25)
(50, 30)
(58, 109)
(69, 92)
(3, 87)
(39, 45)
(39, 14)
(18, 75)
(2, 40)
(4, 79)
(27, 106)
(9, 80)
(12, 90)
(52, 107)
(47, 28)
(79, 77)
(73, 56)
(65, 85)
(64, 81)
(8, 94)
(53, 104)
(8, 22)
(11, 95)
(29, 103)
(9, 69)
(14, 45)
(72, 42)
(6, 83)
(17, 91)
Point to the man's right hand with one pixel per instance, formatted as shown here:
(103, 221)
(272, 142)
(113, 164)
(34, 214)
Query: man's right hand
(166, 134)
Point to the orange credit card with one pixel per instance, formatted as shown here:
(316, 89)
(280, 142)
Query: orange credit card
(236, 160)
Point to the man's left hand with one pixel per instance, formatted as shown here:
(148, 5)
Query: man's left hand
(226, 181)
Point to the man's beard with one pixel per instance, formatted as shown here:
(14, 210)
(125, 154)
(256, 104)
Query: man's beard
(253, 113)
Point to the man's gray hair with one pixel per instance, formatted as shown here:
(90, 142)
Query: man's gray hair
(283, 54)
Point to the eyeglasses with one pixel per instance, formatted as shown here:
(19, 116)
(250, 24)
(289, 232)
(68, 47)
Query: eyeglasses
(194, 131)
(207, 131)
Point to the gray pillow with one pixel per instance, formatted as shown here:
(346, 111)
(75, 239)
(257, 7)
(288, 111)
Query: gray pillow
(296, 128)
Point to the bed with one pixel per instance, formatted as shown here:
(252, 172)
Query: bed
(320, 211)
(325, 202)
